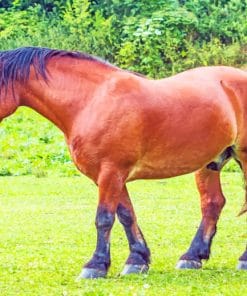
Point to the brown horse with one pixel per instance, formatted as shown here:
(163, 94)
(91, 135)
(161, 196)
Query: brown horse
(120, 127)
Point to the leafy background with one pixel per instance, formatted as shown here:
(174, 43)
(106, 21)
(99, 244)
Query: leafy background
(154, 37)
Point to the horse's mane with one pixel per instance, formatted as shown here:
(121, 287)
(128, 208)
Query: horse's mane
(15, 64)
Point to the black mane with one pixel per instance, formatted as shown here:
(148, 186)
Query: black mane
(15, 64)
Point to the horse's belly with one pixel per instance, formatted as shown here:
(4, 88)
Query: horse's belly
(177, 159)
(162, 170)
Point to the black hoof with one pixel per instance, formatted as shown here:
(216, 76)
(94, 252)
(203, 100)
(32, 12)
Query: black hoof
(132, 268)
(188, 264)
(91, 273)
(242, 265)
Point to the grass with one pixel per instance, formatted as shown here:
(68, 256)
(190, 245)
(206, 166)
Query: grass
(47, 232)
(31, 145)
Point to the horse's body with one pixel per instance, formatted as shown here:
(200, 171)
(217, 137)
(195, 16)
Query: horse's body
(120, 127)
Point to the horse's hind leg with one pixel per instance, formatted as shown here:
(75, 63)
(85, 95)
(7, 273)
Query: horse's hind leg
(139, 257)
(212, 202)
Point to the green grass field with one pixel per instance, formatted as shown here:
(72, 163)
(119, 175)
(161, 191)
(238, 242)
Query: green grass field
(47, 232)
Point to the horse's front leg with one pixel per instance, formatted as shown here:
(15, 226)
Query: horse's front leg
(110, 186)
(212, 202)
(139, 258)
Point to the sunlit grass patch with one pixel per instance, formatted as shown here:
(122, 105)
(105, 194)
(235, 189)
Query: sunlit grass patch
(47, 232)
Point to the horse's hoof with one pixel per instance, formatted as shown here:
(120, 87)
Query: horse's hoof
(91, 273)
(188, 264)
(242, 265)
(133, 268)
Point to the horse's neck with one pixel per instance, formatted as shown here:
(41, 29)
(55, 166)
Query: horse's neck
(65, 95)
(46, 106)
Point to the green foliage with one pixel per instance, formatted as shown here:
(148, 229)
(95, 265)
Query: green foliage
(223, 19)
(47, 5)
(165, 41)
(168, 30)
(157, 38)
(88, 30)
(15, 24)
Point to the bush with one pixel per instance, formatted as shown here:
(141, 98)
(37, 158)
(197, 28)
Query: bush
(156, 38)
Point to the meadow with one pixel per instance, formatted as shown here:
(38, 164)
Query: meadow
(47, 207)
(47, 232)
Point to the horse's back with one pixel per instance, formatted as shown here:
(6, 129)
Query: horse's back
(211, 72)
